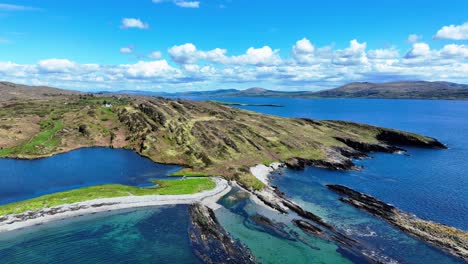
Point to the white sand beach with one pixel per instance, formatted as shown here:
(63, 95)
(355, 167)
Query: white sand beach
(38, 217)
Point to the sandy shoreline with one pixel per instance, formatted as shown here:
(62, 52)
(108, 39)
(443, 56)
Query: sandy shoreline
(261, 172)
(38, 217)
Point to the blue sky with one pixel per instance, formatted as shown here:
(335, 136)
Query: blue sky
(175, 45)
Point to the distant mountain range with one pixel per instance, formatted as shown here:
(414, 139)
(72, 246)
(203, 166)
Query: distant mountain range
(398, 90)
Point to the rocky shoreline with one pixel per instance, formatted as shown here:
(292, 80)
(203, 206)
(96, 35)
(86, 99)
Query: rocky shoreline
(271, 197)
(449, 239)
(211, 243)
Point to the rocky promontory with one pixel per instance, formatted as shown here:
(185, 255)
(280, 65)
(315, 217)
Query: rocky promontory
(449, 239)
(211, 243)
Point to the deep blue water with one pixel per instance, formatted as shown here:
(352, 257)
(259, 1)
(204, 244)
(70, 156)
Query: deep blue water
(23, 179)
(433, 184)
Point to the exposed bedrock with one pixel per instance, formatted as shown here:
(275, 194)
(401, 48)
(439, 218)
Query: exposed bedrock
(364, 147)
(449, 239)
(341, 163)
(211, 243)
(398, 138)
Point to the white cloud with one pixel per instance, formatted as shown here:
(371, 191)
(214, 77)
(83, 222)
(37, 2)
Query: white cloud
(181, 3)
(383, 54)
(126, 50)
(188, 4)
(56, 65)
(413, 38)
(10, 7)
(420, 49)
(455, 51)
(256, 56)
(155, 55)
(133, 23)
(453, 32)
(189, 54)
(308, 67)
(184, 54)
(353, 55)
(151, 69)
(303, 52)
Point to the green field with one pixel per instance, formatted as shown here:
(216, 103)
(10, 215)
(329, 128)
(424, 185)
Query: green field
(163, 187)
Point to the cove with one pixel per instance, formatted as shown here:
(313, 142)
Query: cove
(24, 179)
(149, 235)
(430, 183)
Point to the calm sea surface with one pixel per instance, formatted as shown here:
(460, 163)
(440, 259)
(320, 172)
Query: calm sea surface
(23, 179)
(433, 184)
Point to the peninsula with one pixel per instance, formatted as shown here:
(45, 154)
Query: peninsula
(205, 137)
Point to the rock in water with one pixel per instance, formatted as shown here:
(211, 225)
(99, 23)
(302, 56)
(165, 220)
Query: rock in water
(449, 239)
(211, 243)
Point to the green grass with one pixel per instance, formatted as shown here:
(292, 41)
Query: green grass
(42, 140)
(188, 173)
(164, 187)
(250, 182)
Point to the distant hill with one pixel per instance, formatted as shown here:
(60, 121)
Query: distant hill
(397, 90)
(10, 91)
(407, 90)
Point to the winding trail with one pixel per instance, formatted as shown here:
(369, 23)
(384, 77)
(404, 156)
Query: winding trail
(46, 215)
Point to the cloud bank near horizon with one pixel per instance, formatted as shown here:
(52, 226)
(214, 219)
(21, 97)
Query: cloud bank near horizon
(308, 67)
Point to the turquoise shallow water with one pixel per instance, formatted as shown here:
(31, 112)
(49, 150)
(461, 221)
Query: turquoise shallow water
(151, 235)
(433, 184)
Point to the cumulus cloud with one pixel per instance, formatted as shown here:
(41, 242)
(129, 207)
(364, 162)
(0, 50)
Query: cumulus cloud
(353, 55)
(56, 65)
(455, 51)
(149, 69)
(383, 54)
(307, 67)
(189, 54)
(418, 50)
(453, 32)
(133, 23)
(303, 51)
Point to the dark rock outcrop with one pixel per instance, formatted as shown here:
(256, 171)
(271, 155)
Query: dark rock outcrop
(369, 147)
(449, 239)
(211, 243)
(336, 164)
(308, 227)
(398, 138)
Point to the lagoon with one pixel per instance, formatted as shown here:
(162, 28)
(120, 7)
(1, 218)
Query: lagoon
(24, 179)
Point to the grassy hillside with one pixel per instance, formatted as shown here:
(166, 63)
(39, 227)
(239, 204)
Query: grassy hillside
(205, 137)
